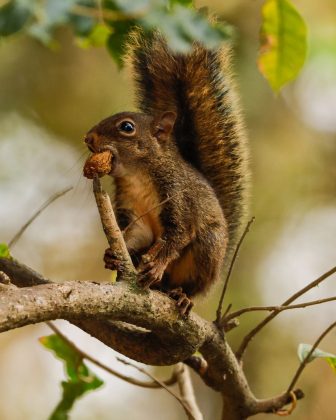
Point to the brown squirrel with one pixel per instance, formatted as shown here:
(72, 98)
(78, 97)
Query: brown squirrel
(180, 167)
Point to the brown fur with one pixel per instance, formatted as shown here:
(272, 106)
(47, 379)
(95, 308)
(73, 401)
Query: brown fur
(209, 130)
(195, 164)
(179, 236)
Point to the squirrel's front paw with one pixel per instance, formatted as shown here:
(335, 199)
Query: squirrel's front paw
(150, 274)
(112, 262)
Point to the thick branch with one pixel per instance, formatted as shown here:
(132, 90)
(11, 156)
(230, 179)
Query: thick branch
(171, 337)
(142, 345)
(83, 300)
(152, 384)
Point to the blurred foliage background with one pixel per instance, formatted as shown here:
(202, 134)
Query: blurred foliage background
(49, 99)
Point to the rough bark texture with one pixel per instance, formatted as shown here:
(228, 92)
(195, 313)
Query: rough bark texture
(144, 326)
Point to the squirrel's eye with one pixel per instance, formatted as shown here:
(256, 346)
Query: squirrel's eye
(127, 127)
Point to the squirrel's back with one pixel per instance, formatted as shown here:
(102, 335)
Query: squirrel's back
(208, 131)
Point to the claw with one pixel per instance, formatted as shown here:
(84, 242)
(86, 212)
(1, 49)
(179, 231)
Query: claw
(183, 303)
(150, 274)
(112, 262)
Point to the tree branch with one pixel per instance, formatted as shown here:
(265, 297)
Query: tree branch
(306, 359)
(160, 383)
(187, 391)
(50, 200)
(82, 300)
(278, 309)
(142, 345)
(112, 231)
(111, 15)
(269, 318)
(161, 336)
(226, 282)
(153, 384)
(167, 338)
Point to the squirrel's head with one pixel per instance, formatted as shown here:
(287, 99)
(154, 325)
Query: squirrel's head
(131, 137)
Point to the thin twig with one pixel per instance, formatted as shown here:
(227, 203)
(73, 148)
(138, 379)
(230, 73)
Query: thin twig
(284, 412)
(186, 390)
(153, 384)
(269, 318)
(101, 10)
(151, 209)
(111, 229)
(109, 15)
(307, 358)
(220, 304)
(50, 200)
(275, 308)
(180, 400)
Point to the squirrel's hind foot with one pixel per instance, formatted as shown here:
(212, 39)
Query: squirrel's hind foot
(183, 303)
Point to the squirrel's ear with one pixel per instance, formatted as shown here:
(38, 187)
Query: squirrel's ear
(164, 125)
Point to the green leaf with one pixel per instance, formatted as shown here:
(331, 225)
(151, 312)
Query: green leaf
(283, 43)
(96, 38)
(187, 3)
(183, 25)
(332, 362)
(131, 7)
(304, 349)
(13, 16)
(79, 378)
(82, 25)
(57, 13)
(71, 392)
(53, 14)
(117, 40)
(4, 251)
(177, 20)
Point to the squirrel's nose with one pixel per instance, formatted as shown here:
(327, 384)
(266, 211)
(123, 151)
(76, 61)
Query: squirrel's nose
(91, 140)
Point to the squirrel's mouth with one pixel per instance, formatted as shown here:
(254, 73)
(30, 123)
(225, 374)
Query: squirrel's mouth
(103, 162)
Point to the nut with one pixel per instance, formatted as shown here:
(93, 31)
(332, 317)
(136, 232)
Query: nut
(98, 164)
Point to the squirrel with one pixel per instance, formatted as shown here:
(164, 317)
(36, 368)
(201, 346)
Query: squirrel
(179, 165)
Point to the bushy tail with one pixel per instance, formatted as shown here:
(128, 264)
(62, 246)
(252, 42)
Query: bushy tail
(208, 130)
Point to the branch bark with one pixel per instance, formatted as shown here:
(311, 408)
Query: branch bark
(157, 335)
(277, 309)
(247, 339)
(112, 231)
(143, 325)
(153, 384)
(187, 391)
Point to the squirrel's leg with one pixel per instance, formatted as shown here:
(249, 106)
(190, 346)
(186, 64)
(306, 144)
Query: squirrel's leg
(197, 268)
(155, 261)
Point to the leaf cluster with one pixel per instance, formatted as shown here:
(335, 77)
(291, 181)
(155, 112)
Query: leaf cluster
(95, 23)
(80, 379)
(109, 22)
(305, 349)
